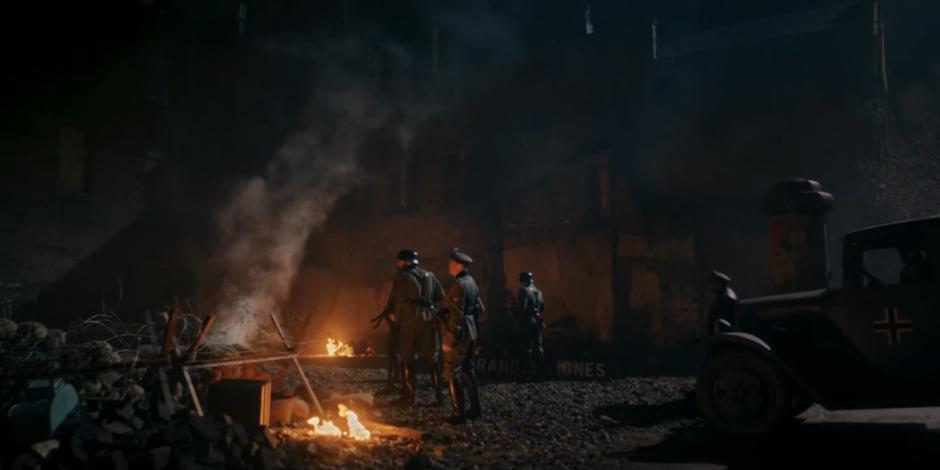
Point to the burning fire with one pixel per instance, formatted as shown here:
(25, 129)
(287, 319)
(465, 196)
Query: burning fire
(356, 430)
(338, 348)
(327, 429)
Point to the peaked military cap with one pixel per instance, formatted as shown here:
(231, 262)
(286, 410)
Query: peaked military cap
(460, 257)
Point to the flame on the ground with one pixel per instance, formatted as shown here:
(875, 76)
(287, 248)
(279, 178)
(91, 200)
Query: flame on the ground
(326, 429)
(356, 430)
(338, 348)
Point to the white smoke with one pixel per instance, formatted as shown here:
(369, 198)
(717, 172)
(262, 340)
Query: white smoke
(265, 226)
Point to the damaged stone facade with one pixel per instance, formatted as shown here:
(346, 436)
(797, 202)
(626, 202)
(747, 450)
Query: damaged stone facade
(621, 197)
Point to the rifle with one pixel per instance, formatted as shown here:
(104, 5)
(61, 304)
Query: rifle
(385, 315)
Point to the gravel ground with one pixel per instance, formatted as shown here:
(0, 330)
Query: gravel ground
(553, 424)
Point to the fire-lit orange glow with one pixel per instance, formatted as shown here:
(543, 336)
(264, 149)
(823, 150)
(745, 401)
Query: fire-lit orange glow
(327, 429)
(356, 430)
(338, 348)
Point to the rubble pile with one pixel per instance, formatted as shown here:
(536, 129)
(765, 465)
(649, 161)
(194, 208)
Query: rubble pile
(108, 409)
(124, 437)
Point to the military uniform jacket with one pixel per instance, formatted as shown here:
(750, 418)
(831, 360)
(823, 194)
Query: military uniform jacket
(530, 305)
(415, 294)
(463, 306)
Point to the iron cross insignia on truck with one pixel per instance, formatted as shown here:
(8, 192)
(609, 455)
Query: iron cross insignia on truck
(871, 343)
(892, 326)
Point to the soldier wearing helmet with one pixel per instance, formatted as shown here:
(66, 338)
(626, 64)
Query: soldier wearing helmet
(412, 305)
(529, 307)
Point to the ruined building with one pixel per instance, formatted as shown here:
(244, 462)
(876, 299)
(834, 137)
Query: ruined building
(618, 152)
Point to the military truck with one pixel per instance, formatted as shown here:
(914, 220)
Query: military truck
(871, 343)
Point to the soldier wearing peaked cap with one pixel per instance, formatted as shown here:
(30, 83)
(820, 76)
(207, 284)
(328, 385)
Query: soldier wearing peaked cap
(459, 321)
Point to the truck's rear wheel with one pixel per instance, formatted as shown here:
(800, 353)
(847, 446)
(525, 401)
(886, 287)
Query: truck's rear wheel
(743, 393)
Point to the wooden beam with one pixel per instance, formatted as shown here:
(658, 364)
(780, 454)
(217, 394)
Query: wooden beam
(300, 369)
(206, 324)
(170, 334)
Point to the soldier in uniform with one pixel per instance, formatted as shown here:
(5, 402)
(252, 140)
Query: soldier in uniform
(413, 302)
(393, 369)
(458, 336)
(530, 305)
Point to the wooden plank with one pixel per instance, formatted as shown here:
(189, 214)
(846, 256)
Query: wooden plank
(310, 393)
(170, 334)
(381, 429)
(192, 391)
(191, 353)
(300, 369)
(280, 332)
(236, 362)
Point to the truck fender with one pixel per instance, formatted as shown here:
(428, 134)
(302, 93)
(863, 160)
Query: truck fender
(738, 340)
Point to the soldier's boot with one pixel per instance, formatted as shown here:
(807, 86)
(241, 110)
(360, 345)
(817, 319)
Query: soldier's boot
(474, 392)
(538, 365)
(456, 401)
(391, 374)
(532, 370)
(408, 385)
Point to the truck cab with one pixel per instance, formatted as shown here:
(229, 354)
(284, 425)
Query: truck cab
(867, 344)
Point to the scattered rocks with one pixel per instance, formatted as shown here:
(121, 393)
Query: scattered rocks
(553, 424)
(289, 410)
(127, 424)
(30, 333)
(7, 329)
(419, 461)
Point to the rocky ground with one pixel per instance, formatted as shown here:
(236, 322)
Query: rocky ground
(634, 423)
(552, 424)
(121, 418)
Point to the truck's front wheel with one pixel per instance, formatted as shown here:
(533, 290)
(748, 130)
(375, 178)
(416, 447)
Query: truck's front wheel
(744, 393)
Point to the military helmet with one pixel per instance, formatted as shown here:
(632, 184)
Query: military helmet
(407, 255)
(526, 277)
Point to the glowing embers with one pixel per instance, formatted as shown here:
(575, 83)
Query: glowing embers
(338, 348)
(356, 430)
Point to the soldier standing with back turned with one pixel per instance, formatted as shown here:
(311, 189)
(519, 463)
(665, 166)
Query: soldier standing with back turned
(413, 301)
(397, 304)
(458, 337)
(529, 308)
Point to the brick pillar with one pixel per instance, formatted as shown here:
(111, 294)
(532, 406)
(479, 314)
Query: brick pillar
(796, 211)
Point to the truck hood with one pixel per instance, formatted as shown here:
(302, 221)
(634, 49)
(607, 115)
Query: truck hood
(810, 296)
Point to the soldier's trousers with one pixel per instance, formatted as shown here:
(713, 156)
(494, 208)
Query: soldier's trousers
(394, 362)
(419, 341)
(435, 357)
(534, 349)
(458, 371)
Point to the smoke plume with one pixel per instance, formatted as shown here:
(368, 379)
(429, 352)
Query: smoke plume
(266, 224)
(363, 83)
